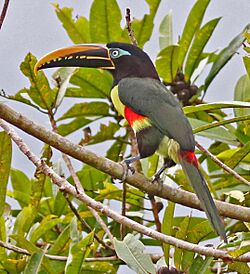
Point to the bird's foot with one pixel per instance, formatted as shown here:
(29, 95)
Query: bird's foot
(126, 165)
(157, 179)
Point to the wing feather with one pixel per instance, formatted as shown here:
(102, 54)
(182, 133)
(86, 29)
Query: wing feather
(152, 99)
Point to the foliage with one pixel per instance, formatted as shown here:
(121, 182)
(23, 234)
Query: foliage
(44, 223)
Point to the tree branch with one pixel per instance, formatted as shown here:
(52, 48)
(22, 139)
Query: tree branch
(114, 169)
(221, 164)
(4, 11)
(65, 186)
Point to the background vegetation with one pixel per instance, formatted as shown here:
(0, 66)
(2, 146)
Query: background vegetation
(52, 222)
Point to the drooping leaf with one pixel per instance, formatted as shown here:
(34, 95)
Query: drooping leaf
(40, 91)
(78, 252)
(5, 163)
(217, 133)
(77, 29)
(201, 38)
(192, 25)
(239, 267)
(91, 109)
(21, 184)
(62, 242)
(106, 132)
(167, 225)
(104, 21)
(130, 250)
(167, 63)
(238, 156)
(91, 178)
(200, 265)
(225, 55)
(181, 234)
(242, 93)
(246, 60)
(72, 126)
(34, 263)
(44, 226)
(116, 150)
(166, 31)
(90, 83)
(216, 105)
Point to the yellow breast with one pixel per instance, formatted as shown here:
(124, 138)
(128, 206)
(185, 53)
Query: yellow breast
(116, 101)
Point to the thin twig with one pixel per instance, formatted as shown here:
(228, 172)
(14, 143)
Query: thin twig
(65, 186)
(222, 165)
(4, 11)
(84, 223)
(129, 28)
(115, 170)
(155, 213)
(124, 194)
(79, 187)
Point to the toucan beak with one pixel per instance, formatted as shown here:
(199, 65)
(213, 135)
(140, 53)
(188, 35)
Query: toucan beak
(91, 56)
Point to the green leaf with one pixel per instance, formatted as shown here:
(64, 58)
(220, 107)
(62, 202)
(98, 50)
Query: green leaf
(21, 185)
(130, 250)
(216, 105)
(200, 265)
(217, 133)
(239, 267)
(246, 61)
(5, 163)
(104, 21)
(192, 25)
(62, 242)
(99, 268)
(3, 254)
(77, 29)
(91, 178)
(34, 263)
(166, 31)
(77, 123)
(40, 91)
(242, 93)
(92, 109)
(45, 225)
(200, 41)
(224, 122)
(90, 83)
(225, 55)
(60, 204)
(78, 252)
(106, 132)
(238, 156)
(167, 225)
(116, 150)
(143, 28)
(167, 63)
(181, 234)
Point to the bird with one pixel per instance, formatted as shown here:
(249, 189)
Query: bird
(149, 107)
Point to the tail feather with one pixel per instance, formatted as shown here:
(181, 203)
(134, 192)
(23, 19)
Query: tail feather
(199, 184)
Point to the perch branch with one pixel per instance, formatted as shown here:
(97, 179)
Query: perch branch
(114, 169)
(66, 187)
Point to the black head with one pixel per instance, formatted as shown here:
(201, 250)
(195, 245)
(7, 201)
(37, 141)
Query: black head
(121, 59)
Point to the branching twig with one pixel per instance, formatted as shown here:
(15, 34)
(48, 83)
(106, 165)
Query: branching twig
(222, 165)
(84, 223)
(116, 170)
(68, 188)
(79, 187)
(129, 28)
(4, 11)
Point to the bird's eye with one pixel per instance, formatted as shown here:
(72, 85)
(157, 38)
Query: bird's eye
(115, 53)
